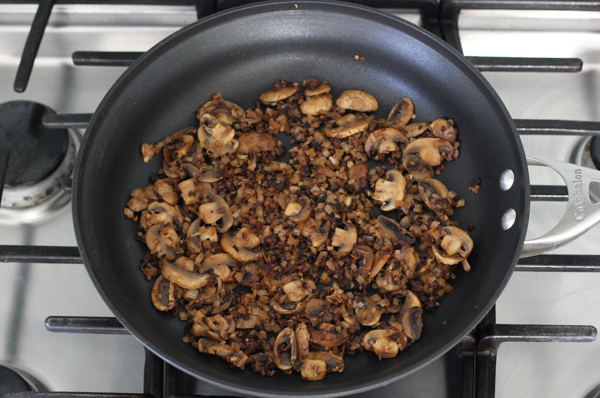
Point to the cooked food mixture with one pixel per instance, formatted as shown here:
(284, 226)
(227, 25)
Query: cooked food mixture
(294, 265)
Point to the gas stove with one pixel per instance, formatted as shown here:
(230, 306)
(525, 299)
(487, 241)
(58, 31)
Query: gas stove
(543, 60)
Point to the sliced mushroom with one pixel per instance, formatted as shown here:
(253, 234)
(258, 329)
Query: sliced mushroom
(277, 94)
(402, 112)
(311, 369)
(164, 214)
(326, 336)
(384, 140)
(344, 239)
(216, 210)
(364, 258)
(220, 326)
(392, 280)
(163, 294)
(166, 191)
(299, 211)
(315, 310)
(231, 355)
(285, 349)
(185, 263)
(390, 190)
(298, 290)
(140, 198)
(302, 341)
(334, 362)
(314, 87)
(444, 129)
(182, 277)
(288, 308)
(436, 196)
(190, 191)
(163, 241)
(381, 343)
(357, 100)
(429, 151)
(457, 245)
(358, 173)
(348, 125)
(318, 234)
(381, 258)
(197, 234)
(240, 245)
(247, 321)
(256, 141)
(411, 316)
(225, 111)
(386, 228)
(219, 264)
(215, 137)
(366, 309)
(413, 130)
(179, 148)
(317, 105)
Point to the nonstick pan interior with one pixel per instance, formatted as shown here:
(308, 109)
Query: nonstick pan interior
(240, 53)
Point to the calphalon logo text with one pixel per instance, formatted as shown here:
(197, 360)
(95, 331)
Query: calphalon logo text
(579, 200)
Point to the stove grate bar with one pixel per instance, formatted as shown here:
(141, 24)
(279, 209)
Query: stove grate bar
(511, 64)
(560, 263)
(105, 58)
(493, 335)
(40, 254)
(4, 157)
(66, 394)
(548, 193)
(67, 120)
(557, 127)
(84, 325)
(32, 45)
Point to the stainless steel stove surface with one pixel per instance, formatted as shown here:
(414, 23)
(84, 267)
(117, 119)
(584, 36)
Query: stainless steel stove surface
(115, 363)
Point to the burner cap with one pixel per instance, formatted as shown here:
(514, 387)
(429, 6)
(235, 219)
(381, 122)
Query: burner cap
(595, 151)
(35, 151)
(12, 382)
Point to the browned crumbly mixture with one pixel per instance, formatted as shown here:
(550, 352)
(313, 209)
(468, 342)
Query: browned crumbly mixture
(290, 265)
(475, 185)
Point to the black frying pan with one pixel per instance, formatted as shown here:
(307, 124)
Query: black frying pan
(240, 53)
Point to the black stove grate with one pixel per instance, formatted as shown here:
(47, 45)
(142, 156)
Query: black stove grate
(477, 352)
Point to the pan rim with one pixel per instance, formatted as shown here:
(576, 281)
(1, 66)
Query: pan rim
(434, 42)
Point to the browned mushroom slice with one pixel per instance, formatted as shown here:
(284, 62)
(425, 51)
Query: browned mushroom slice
(317, 105)
(176, 150)
(428, 150)
(166, 191)
(413, 130)
(366, 309)
(314, 87)
(185, 263)
(380, 341)
(182, 277)
(225, 111)
(277, 94)
(215, 137)
(334, 363)
(348, 125)
(318, 234)
(220, 326)
(298, 290)
(358, 174)
(411, 316)
(247, 321)
(163, 294)
(315, 310)
(215, 211)
(364, 258)
(344, 239)
(190, 191)
(436, 196)
(255, 141)
(299, 211)
(285, 349)
(197, 234)
(311, 369)
(357, 100)
(384, 140)
(209, 175)
(288, 308)
(444, 129)
(402, 112)
(302, 341)
(240, 245)
(381, 258)
(327, 336)
(390, 190)
(140, 197)
(219, 264)
(386, 228)
(457, 245)
(163, 241)
(164, 214)
(231, 355)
